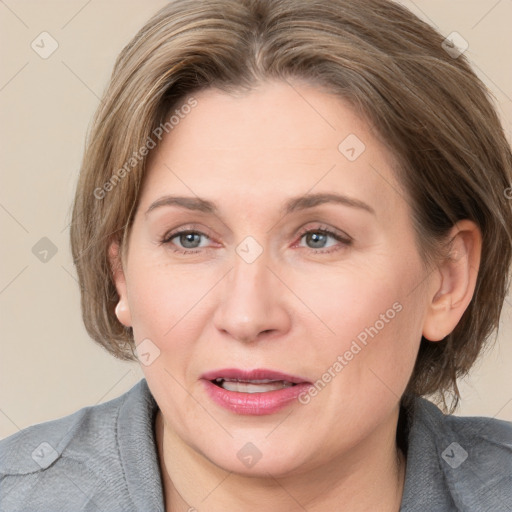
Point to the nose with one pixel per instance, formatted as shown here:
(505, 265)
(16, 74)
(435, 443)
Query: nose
(252, 302)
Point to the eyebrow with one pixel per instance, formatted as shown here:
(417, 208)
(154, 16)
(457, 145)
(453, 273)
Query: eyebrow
(292, 205)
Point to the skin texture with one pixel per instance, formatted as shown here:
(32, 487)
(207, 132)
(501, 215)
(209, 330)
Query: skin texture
(295, 308)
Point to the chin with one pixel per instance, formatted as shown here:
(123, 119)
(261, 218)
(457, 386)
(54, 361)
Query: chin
(257, 458)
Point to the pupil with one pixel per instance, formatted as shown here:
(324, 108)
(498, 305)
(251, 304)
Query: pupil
(189, 238)
(315, 237)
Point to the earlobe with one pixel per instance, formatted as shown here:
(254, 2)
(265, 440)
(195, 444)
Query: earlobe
(454, 290)
(123, 313)
(122, 309)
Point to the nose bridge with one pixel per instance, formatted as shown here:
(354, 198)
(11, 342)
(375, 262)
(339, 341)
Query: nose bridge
(250, 303)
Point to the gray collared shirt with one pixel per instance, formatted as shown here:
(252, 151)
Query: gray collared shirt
(104, 459)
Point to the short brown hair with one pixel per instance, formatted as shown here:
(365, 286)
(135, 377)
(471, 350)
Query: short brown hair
(429, 108)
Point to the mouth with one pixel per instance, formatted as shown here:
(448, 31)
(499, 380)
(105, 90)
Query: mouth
(252, 386)
(253, 381)
(254, 392)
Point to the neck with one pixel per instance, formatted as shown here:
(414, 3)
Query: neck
(369, 478)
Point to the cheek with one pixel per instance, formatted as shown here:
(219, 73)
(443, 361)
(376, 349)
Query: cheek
(161, 297)
(348, 302)
(372, 325)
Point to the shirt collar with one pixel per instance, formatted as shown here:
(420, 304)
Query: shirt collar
(137, 448)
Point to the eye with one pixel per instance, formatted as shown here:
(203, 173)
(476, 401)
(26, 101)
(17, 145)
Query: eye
(186, 240)
(189, 241)
(318, 239)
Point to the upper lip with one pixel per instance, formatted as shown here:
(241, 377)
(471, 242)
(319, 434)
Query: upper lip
(251, 375)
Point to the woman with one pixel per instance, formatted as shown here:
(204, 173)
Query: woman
(299, 234)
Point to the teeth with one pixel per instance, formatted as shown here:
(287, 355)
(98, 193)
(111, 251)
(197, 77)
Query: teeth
(263, 381)
(254, 386)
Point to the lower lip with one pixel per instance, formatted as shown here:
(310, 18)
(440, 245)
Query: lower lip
(255, 404)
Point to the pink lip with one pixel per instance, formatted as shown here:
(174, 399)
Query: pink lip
(268, 402)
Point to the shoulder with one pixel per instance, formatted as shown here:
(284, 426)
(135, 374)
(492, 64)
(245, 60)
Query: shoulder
(463, 461)
(475, 439)
(78, 454)
(37, 447)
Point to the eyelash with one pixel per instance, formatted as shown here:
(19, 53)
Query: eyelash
(346, 241)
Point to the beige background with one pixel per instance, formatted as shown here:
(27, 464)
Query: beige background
(49, 367)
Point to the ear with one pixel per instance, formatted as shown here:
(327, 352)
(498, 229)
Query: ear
(116, 265)
(452, 292)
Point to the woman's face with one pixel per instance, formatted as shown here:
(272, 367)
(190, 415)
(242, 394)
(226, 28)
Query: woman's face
(329, 292)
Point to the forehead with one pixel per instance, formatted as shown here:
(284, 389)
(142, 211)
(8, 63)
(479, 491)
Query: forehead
(268, 114)
(279, 138)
